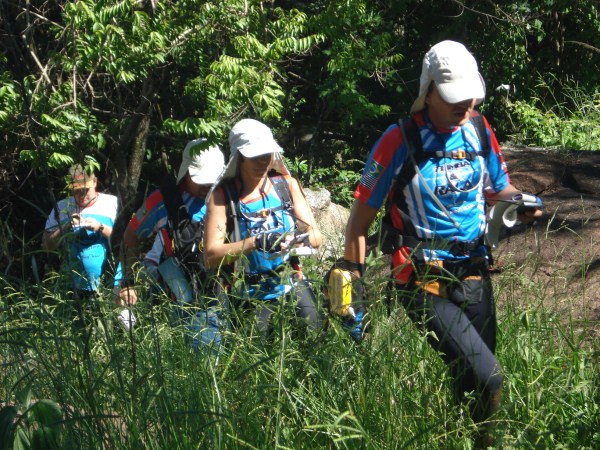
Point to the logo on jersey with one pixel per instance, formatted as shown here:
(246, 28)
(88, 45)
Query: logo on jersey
(371, 175)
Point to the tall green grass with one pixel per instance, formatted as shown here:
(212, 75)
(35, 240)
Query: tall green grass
(62, 388)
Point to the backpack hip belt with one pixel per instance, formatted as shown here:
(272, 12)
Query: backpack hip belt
(393, 239)
(457, 269)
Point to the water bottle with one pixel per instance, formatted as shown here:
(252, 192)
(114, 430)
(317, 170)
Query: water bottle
(340, 292)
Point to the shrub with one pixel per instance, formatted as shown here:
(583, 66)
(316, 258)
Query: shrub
(565, 118)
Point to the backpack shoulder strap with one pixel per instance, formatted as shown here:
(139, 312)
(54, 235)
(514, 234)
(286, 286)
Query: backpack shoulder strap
(174, 205)
(414, 151)
(282, 188)
(232, 207)
(479, 124)
(414, 155)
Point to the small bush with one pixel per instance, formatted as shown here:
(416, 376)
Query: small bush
(568, 120)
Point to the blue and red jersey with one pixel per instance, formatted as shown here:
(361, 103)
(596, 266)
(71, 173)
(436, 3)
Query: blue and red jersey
(152, 215)
(459, 184)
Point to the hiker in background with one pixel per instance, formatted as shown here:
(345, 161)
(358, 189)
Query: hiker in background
(173, 215)
(194, 179)
(257, 216)
(436, 170)
(83, 222)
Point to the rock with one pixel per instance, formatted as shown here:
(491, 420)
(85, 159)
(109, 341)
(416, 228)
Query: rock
(318, 199)
(331, 219)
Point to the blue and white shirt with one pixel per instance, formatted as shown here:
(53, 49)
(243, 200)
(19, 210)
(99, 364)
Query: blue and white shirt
(263, 214)
(88, 251)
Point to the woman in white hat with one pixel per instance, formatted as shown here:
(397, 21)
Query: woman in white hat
(258, 239)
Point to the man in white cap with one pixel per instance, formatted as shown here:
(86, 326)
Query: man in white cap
(198, 171)
(439, 167)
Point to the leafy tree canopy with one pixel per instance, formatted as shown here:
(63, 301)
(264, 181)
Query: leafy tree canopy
(123, 84)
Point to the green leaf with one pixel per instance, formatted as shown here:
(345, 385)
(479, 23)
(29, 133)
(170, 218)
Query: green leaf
(7, 418)
(46, 412)
(44, 438)
(21, 441)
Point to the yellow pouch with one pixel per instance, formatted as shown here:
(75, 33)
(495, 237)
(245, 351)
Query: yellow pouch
(437, 286)
(434, 287)
(340, 292)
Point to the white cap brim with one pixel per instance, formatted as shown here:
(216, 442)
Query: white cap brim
(203, 167)
(460, 91)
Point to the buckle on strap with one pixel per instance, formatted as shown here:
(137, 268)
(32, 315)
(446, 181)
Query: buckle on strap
(459, 268)
(458, 154)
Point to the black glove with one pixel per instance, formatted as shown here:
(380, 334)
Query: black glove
(344, 264)
(268, 242)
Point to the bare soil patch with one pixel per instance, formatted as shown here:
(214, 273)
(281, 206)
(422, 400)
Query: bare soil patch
(561, 252)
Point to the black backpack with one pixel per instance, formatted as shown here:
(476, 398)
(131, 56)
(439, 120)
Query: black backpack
(185, 233)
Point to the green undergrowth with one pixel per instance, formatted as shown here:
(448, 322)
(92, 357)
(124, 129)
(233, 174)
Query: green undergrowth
(97, 386)
(566, 117)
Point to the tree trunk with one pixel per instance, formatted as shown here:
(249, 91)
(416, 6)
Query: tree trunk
(128, 157)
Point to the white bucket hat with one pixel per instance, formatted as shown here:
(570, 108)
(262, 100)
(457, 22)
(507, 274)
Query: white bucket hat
(455, 74)
(204, 166)
(251, 138)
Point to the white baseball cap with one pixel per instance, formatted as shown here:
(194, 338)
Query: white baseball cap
(204, 166)
(454, 71)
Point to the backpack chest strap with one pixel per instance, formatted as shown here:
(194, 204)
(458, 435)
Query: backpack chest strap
(263, 213)
(459, 154)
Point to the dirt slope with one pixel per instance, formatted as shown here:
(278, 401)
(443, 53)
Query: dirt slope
(563, 248)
